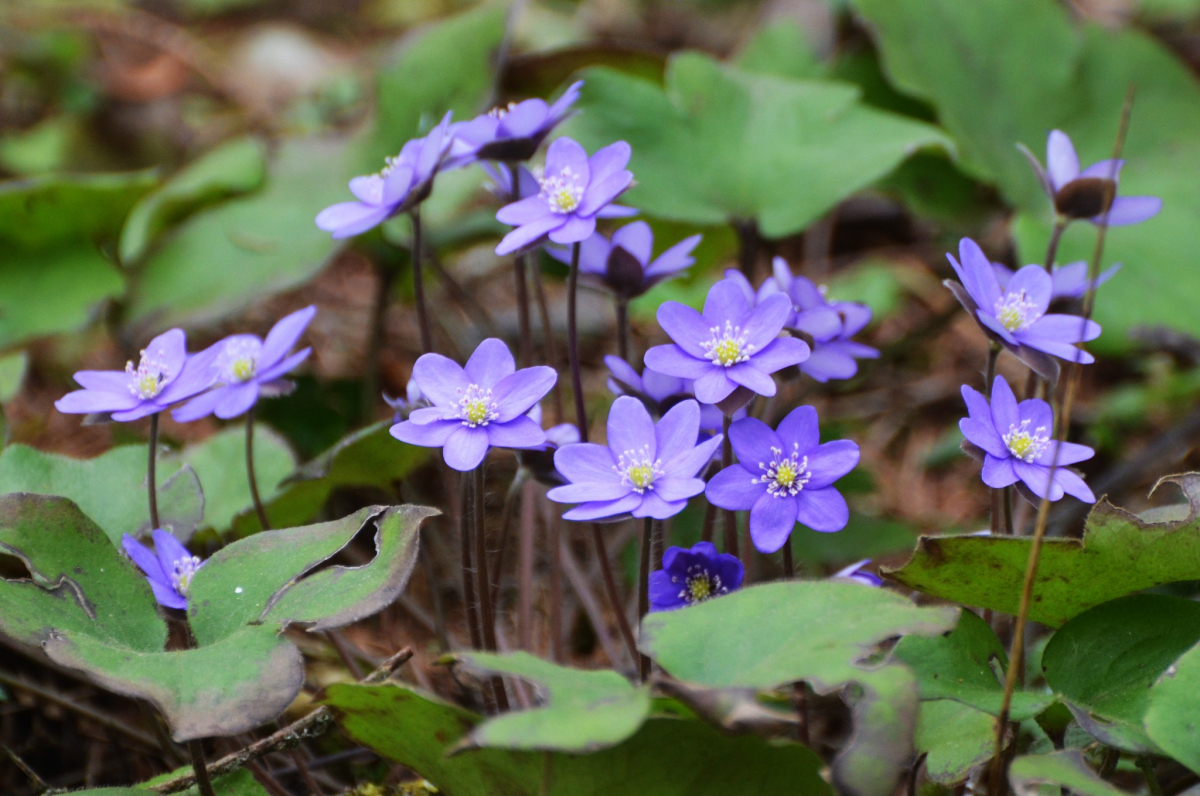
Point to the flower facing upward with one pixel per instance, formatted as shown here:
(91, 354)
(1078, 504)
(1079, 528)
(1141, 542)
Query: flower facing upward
(623, 264)
(244, 367)
(1068, 282)
(404, 182)
(732, 344)
(1015, 439)
(646, 470)
(1016, 315)
(784, 477)
(692, 576)
(512, 132)
(1088, 193)
(168, 569)
(477, 407)
(573, 193)
(164, 375)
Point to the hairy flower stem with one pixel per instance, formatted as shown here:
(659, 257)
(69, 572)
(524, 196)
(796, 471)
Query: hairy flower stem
(1017, 655)
(789, 566)
(419, 280)
(200, 767)
(464, 521)
(526, 550)
(487, 616)
(747, 232)
(710, 520)
(497, 565)
(151, 471)
(730, 524)
(250, 476)
(1055, 236)
(522, 287)
(644, 589)
(614, 597)
(573, 344)
(549, 341)
(623, 329)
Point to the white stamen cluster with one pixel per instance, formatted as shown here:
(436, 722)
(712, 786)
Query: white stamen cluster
(476, 406)
(184, 569)
(238, 361)
(1015, 311)
(146, 380)
(728, 346)
(638, 470)
(785, 476)
(1024, 445)
(562, 193)
(500, 111)
(699, 585)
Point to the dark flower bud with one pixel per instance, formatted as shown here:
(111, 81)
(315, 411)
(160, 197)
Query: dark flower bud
(624, 274)
(1085, 197)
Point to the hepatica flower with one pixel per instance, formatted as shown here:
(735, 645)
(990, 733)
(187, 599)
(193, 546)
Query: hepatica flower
(784, 477)
(245, 367)
(510, 133)
(540, 459)
(623, 264)
(477, 407)
(1016, 315)
(1086, 194)
(164, 375)
(732, 344)
(1068, 282)
(858, 573)
(660, 391)
(404, 182)
(168, 568)
(693, 576)
(574, 191)
(646, 470)
(1015, 439)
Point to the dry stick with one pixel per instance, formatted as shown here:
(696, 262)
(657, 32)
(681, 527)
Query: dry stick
(644, 589)
(1064, 423)
(309, 726)
(419, 280)
(730, 524)
(483, 585)
(103, 719)
(151, 475)
(39, 784)
(549, 341)
(525, 554)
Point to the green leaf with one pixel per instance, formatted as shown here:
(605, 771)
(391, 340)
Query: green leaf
(239, 783)
(12, 374)
(967, 665)
(956, 738)
(1065, 769)
(781, 49)
(1170, 718)
(1104, 661)
(234, 167)
(220, 463)
(224, 688)
(813, 631)
(223, 259)
(583, 711)
(54, 289)
(667, 757)
(49, 210)
(450, 67)
(718, 144)
(80, 582)
(1120, 553)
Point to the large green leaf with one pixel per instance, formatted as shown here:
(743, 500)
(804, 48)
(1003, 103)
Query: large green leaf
(1170, 718)
(239, 783)
(234, 167)
(220, 463)
(47, 211)
(718, 144)
(1050, 774)
(1104, 661)
(766, 636)
(667, 757)
(967, 665)
(956, 739)
(223, 259)
(53, 289)
(1120, 553)
(584, 711)
(80, 583)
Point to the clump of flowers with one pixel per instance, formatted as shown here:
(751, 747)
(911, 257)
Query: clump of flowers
(168, 568)
(512, 132)
(695, 575)
(623, 263)
(659, 391)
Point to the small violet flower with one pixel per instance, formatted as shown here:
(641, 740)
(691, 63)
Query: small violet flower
(404, 182)
(510, 133)
(660, 392)
(646, 470)
(573, 193)
(1014, 439)
(732, 344)
(693, 576)
(477, 407)
(1068, 282)
(623, 265)
(244, 367)
(1087, 194)
(540, 459)
(784, 477)
(858, 573)
(164, 375)
(168, 568)
(403, 407)
(1015, 316)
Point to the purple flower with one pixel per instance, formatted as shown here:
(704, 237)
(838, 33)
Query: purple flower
(510, 133)
(540, 459)
(693, 576)
(1016, 315)
(1086, 194)
(243, 367)
(477, 407)
(733, 344)
(501, 184)
(164, 375)
(169, 568)
(660, 392)
(1016, 445)
(403, 407)
(404, 182)
(1068, 282)
(857, 573)
(646, 470)
(784, 477)
(623, 264)
(573, 193)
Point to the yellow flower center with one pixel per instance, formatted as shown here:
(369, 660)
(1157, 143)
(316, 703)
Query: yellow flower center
(699, 588)
(1024, 445)
(1015, 311)
(785, 476)
(476, 407)
(243, 369)
(562, 193)
(146, 380)
(638, 470)
(728, 346)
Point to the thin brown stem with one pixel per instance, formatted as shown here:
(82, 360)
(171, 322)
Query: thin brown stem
(487, 616)
(522, 289)
(573, 344)
(200, 768)
(496, 568)
(644, 588)
(468, 571)
(710, 520)
(554, 532)
(747, 232)
(251, 477)
(1052, 247)
(730, 524)
(419, 281)
(622, 329)
(789, 566)
(610, 588)
(549, 341)
(151, 472)
(39, 784)
(525, 554)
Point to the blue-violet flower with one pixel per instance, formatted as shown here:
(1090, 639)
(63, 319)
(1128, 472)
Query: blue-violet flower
(510, 133)
(692, 576)
(858, 573)
(623, 264)
(1068, 282)
(168, 568)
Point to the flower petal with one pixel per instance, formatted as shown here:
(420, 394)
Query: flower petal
(753, 441)
(823, 510)
(146, 560)
(200, 406)
(351, 218)
(631, 429)
(599, 509)
(690, 462)
(771, 522)
(764, 323)
(1126, 210)
(526, 235)
(1037, 286)
(673, 360)
(82, 402)
(1004, 406)
(236, 400)
(672, 489)
(714, 386)
(283, 336)
(286, 366)
(998, 471)
(637, 239)
(441, 379)
(574, 230)
(686, 327)
(676, 432)
(831, 461)
(589, 491)
(527, 210)
(516, 394)
(800, 428)
(1062, 164)
(428, 435)
(520, 432)
(585, 461)
(655, 506)
(725, 302)
(674, 259)
(465, 448)
(780, 353)
(733, 488)
(751, 378)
